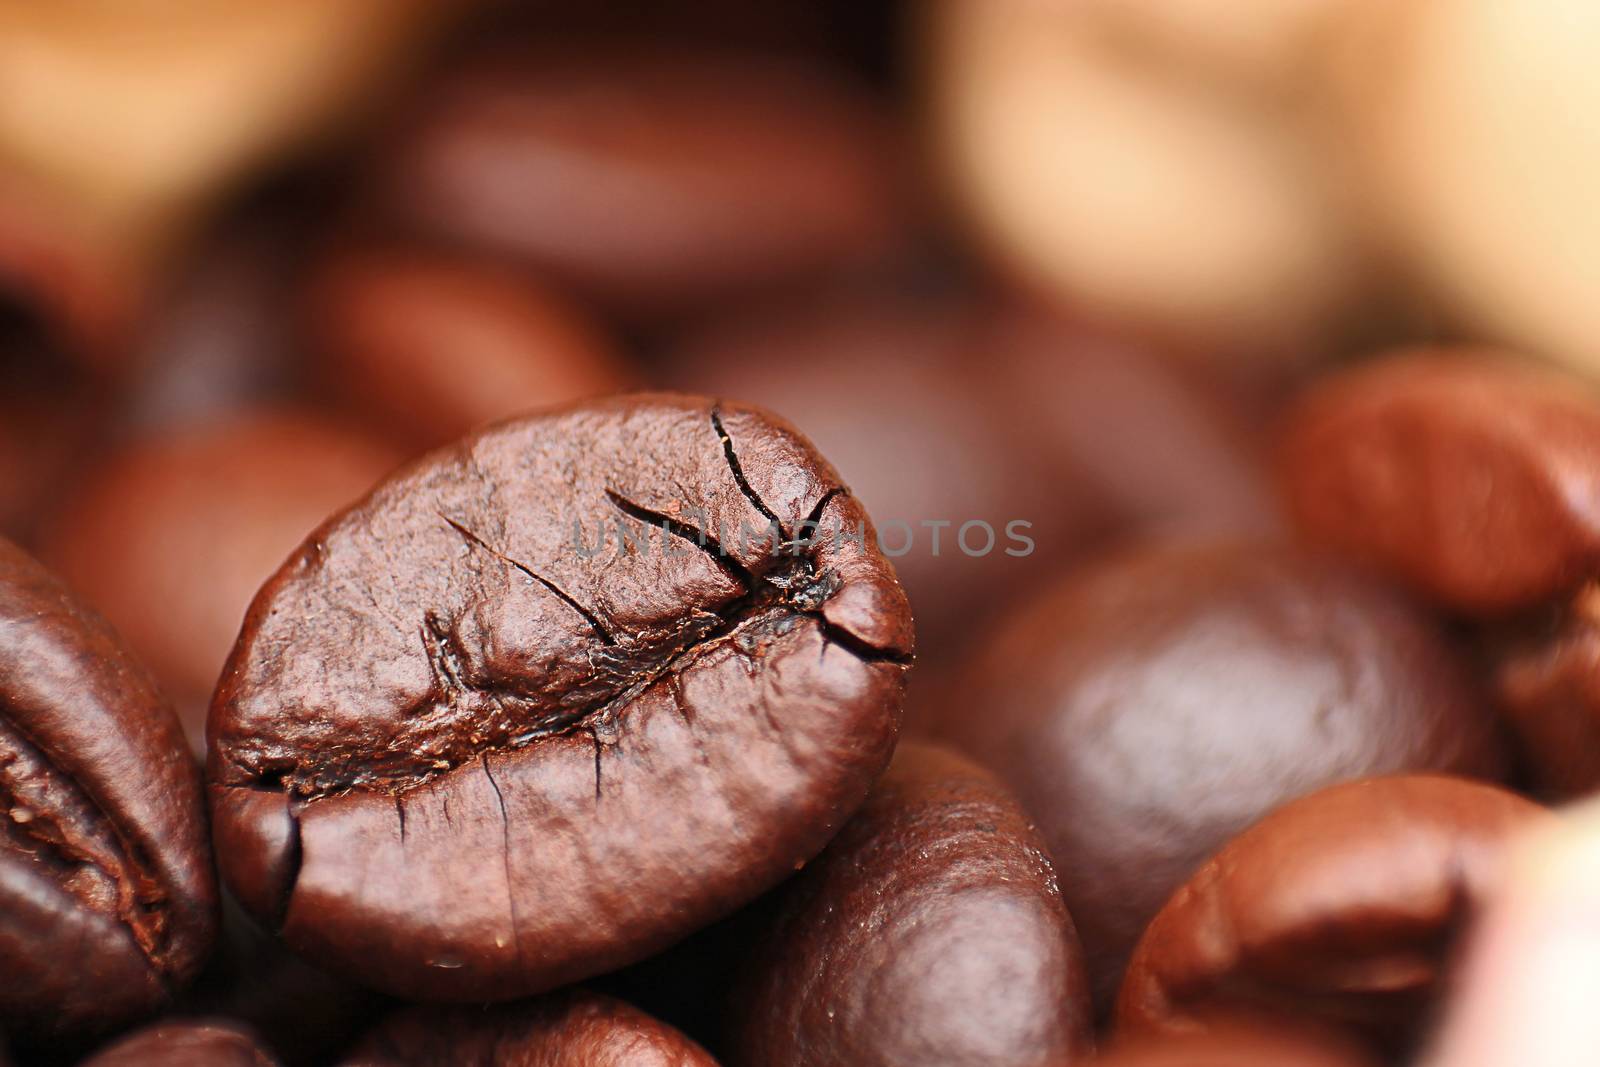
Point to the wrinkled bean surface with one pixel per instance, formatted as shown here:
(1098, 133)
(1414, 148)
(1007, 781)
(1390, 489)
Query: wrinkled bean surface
(465, 750)
(107, 900)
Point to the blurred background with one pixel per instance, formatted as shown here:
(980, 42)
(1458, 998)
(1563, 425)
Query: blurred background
(1043, 260)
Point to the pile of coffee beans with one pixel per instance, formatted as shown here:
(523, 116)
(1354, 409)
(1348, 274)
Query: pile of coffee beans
(984, 533)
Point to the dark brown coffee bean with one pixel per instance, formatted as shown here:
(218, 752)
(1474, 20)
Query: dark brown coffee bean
(186, 1043)
(1236, 1044)
(1150, 708)
(1472, 478)
(649, 179)
(218, 341)
(468, 748)
(931, 930)
(432, 345)
(173, 534)
(107, 901)
(942, 412)
(572, 1029)
(1340, 907)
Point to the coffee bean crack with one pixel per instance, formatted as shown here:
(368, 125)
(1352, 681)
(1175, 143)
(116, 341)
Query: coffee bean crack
(47, 819)
(477, 717)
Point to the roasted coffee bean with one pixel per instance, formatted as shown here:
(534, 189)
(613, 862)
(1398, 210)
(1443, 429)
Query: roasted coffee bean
(1153, 706)
(572, 1029)
(1126, 186)
(555, 696)
(107, 900)
(185, 1043)
(1341, 907)
(931, 930)
(431, 345)
(947, 414)
(1476, 480)
(1236, 1044)
(649, 179)
(1466, 475)
(218, 341)
(1451, 115)
(172, 535)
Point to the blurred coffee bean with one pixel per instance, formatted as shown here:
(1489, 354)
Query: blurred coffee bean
(1211, 217)
(1462, 473)
(431, 345)
(1475, 479)
(940, 412)
(1341, 907)
(931, 930)
(651, 180)
(173, 533)
(217, 339)
(1156, 704)
(142, 118)
(1235, 1044)
(1461, 112)
(185, 1043)
(571, 1029)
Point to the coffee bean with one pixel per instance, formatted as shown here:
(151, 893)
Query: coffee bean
(194, 520)
(1450, 122)
(463, 751)
(218, 341)
(432, 345)
(652, 180)
(1476, 480)
(107, 901)
(188, 1043)
(1204, 213)
(571, 1029)
(931, 930)
(1471, 477)
(1153, 706)
(1341, 907)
